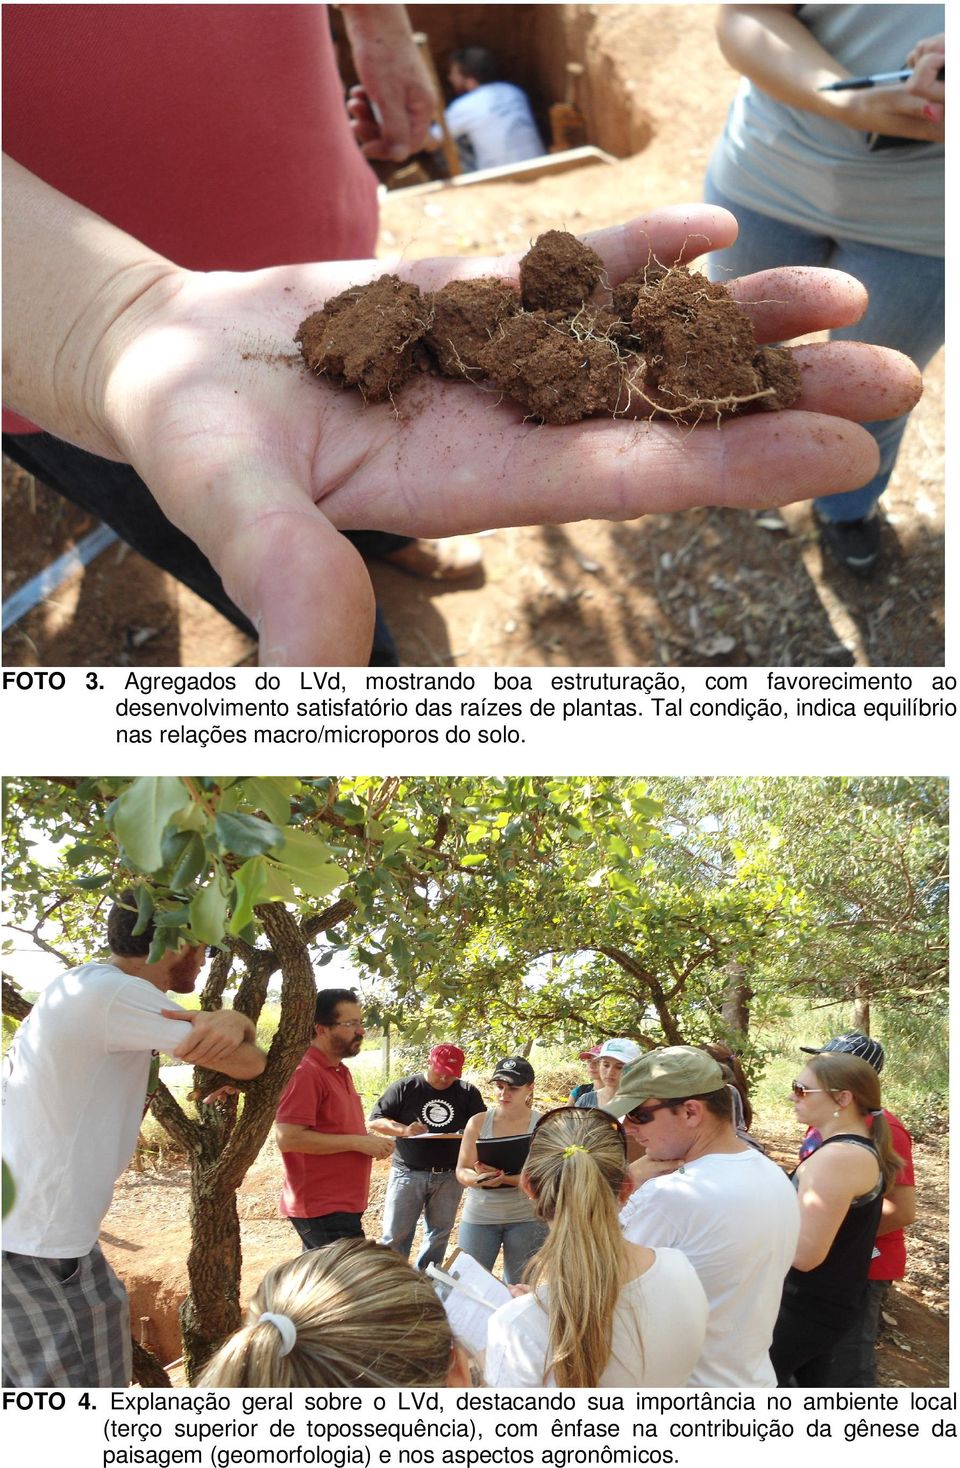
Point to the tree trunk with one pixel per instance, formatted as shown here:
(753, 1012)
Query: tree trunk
(735, 1006)
(861, 1013)
(225, 1145)
(211, 1311)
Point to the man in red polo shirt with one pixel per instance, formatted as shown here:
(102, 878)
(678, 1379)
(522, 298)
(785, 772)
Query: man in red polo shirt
(321, 1130)
(854, 1361)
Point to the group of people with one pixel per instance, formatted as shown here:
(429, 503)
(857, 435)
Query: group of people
(114, 249)
(644, 1240)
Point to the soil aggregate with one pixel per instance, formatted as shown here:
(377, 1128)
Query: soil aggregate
(558, 272)
(663, 343)
(466, 314)
(366, 336)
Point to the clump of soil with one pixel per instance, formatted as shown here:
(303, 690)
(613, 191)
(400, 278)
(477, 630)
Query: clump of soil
(559, 272)
(551, 373)
(466, 314)
(664, 342)
(366, 337)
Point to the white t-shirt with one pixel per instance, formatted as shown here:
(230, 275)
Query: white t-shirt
(493, 125)
(735, 1216)
(658, 1329)
(75, 1081)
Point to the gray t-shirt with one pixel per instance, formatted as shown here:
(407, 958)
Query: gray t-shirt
(821, 175)
(498, 1205)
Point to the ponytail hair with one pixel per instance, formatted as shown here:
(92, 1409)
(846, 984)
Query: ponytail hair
(838, 1071)
(575, 1170)
(353, 1313)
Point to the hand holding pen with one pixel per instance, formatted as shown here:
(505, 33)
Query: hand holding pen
(923, 77)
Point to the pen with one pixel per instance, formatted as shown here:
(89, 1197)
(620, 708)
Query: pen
(879, 79)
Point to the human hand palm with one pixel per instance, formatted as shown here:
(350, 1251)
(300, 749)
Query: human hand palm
(262, 465)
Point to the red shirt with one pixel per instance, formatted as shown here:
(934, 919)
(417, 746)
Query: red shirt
(891, 1261)
(321, 1095)
(216, 134)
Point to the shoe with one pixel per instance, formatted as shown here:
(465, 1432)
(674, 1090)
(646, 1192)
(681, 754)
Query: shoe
(853, 544)
(456, 559)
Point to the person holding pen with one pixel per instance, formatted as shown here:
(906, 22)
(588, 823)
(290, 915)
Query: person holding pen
(434, 1102)
(496, 1212)
(822, 172)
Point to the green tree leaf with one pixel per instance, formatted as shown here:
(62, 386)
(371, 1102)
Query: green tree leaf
(141, 814)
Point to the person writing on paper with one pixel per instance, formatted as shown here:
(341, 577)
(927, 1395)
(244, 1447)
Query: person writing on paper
(78, 1077)
(850, 179)
(437, 1101)
(497, 1213)
(350, 1314)
(601, 1311)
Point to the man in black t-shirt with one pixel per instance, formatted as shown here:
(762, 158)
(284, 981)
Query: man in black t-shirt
(436, 1101)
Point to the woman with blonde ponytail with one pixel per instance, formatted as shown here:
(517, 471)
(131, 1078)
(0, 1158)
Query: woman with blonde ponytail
(599, 1311)
(840, 1187)
(350, 1314)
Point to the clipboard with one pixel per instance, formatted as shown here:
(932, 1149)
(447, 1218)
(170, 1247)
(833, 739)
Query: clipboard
(429, 1150)
(507, 1153)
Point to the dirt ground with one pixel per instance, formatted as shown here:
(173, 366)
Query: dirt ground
(146, 1237)
(707, 585)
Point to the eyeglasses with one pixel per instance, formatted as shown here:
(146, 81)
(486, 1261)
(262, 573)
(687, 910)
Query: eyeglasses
(800, 1090)
(346, 1024)
(644, 1114)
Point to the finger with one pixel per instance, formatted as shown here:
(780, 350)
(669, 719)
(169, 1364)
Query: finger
(793, 300)
(489, 468)
(856, 380)
(675, 234)
(302, 585)
(178, 1014)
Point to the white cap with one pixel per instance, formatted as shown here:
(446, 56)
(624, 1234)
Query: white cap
(623, 1050)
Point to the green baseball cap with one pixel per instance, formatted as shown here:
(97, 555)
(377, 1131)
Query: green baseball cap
(671, 1073)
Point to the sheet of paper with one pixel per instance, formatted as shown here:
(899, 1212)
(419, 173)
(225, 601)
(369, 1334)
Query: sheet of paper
(468, 1317)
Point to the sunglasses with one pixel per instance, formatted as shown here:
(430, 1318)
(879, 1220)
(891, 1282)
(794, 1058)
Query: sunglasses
(645, 1114)
(800, 1090)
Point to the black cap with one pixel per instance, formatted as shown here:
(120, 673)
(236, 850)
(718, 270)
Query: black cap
(853, 1043)
(515, 1070)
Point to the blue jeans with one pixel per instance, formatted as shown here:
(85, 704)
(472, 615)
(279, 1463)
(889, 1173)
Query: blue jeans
(434, 1194)
(906, 310)
(520, 1242)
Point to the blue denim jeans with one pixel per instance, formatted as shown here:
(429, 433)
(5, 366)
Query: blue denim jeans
(906, 310)
(520, 1242)
(434, 1194)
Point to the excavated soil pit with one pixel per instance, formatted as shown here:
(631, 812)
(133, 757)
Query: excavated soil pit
(663, 343)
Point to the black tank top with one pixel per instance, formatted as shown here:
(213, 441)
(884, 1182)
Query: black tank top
(833, 1290)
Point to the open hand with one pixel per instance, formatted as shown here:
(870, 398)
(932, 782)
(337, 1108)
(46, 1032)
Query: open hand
(199, 386)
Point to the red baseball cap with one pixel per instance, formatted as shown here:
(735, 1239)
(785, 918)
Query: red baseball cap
(590, 1054)
(447, 1059)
